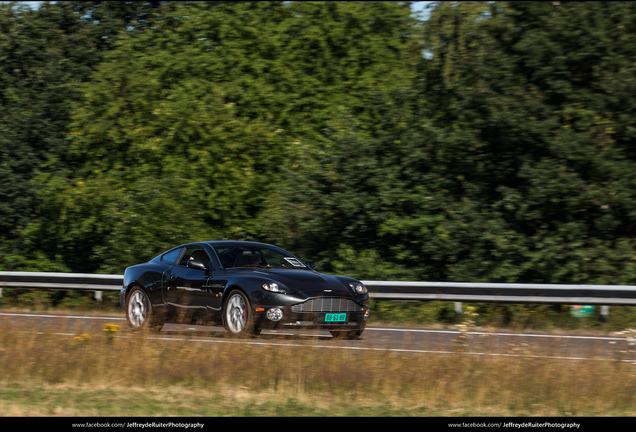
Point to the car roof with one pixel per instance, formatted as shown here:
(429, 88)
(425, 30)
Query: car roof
(235, 243)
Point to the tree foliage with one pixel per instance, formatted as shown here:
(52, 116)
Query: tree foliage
(546, 151)
(199, 113)
(42, 58)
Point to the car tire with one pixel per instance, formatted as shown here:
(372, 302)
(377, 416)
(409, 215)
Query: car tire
(238, 318)
(348, 334)
(139, 312)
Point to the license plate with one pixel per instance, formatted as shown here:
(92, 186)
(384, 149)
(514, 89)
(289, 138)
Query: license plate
(335, 317)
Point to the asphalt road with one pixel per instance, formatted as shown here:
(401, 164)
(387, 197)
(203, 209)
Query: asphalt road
(414, 340)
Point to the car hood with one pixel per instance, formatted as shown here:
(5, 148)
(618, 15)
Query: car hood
(310, 283)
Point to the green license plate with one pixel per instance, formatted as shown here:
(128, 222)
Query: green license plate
(335, 317)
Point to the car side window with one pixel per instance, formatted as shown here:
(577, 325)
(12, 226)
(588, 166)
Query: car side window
(196, 253)
(171, 256)
(227, 256)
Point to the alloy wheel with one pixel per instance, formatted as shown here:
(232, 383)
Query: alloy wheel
(137, 309)
(236, 314)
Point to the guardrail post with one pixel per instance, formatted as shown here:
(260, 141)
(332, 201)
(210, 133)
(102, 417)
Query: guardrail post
(604, 313)
(98, 296)
(458, 308)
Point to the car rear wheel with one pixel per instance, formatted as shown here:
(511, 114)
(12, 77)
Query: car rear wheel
(237, 315)
(139, 312)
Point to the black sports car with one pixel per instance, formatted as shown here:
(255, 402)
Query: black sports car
(245, 286)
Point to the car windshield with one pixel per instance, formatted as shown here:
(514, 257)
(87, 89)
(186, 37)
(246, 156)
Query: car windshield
(257, 256)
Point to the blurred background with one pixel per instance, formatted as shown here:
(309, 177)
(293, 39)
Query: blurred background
(433, 141)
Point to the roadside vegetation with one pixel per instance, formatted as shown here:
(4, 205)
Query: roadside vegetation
(114, 373)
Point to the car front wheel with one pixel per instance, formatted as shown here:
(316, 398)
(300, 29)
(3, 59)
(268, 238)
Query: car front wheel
(237, 315)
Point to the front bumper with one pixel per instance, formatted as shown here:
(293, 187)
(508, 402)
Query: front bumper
(335, 313)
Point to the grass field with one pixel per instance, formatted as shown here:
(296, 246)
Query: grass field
(116, 374)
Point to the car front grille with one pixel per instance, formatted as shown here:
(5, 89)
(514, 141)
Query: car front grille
(327, 304)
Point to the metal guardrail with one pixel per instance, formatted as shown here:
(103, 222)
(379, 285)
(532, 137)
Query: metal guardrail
(61, 281)
(383, 290)
(504, 292)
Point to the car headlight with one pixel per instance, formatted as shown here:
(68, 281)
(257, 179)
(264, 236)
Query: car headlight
(274, 287)
(358, 287)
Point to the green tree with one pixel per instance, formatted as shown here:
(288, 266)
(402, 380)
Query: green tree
(45, 54)
(345, 58)
(186, 127)
(508, 160)
(42, 55)
(527, 96)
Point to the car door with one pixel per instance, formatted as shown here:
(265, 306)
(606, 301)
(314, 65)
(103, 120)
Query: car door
(194, 293)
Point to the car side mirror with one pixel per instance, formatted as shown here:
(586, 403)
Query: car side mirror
(310, 264)
(196, 264)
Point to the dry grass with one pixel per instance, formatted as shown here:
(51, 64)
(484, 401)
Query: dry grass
(45, 374)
